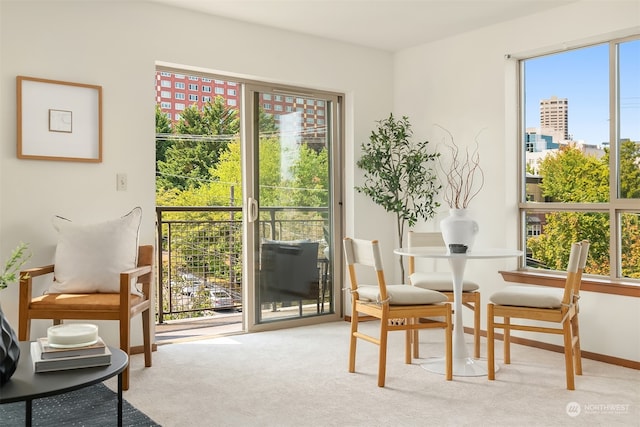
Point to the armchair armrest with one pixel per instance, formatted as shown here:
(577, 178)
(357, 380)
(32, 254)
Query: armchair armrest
(125, 282)
(26, 281)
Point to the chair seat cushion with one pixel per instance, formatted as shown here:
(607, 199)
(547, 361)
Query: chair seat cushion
(401, 295)
(87, 302)
(440, 281)
(529, 296)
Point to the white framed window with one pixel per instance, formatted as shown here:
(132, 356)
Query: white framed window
(178, 95)
(206, 89)
(193, 97)
(232, 102)
(179, 85)
(231, 92)
(206, 99)
(219, 91)
(179, 106)
(165, 105)
(165, 94)
(193, 86)
(165, 83)
(580, 157)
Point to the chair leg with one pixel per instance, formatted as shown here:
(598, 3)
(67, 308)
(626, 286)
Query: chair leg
(491, 359)
(416, 342)
(353, 340)
(146, 331)
(476, 325)
(408, 340)
(125, 345)
(24, 326)
(568, 354)
(382, 358)
(507, 341)
(577, 353)
(448, 343)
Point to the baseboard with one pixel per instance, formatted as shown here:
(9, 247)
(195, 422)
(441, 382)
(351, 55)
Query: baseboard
(139, 349)
(560, 349)
(632, 364)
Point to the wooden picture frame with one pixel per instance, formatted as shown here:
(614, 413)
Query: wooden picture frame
(58, 120)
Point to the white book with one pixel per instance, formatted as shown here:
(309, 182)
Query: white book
(64, 363)
(49, 352)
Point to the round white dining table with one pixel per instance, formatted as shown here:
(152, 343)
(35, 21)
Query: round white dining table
(463, 364)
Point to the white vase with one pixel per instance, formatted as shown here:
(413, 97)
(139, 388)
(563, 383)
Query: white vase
(459, 228)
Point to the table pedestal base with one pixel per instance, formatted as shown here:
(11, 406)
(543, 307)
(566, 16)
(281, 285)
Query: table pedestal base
(466, 367)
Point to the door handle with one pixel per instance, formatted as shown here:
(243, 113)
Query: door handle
(252, 206)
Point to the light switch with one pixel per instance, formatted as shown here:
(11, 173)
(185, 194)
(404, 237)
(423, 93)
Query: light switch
(121, 182)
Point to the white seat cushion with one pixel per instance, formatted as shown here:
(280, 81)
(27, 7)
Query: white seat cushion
(401, 295)
(440, 282)
(529, 296)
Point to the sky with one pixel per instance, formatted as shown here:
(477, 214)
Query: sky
(582, 76)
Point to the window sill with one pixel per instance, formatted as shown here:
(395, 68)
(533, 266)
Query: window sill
(589, 284)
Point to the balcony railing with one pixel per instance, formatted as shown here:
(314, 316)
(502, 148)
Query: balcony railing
(200, 254)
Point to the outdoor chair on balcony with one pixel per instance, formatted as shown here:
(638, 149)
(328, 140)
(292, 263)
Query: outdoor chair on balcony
(289, 272)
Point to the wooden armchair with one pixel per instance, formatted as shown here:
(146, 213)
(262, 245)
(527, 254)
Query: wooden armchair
(120, 306)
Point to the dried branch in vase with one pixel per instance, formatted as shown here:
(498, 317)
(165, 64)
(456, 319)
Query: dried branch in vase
(463, 176)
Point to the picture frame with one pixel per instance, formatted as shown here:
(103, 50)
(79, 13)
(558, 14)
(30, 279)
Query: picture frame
(58, 120)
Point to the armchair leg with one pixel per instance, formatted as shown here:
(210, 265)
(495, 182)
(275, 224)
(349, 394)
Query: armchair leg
(125, 345)
(146, 332)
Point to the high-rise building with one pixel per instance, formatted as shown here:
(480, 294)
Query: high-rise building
(554, 118)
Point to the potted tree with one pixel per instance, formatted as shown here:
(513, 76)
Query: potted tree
(398, 174)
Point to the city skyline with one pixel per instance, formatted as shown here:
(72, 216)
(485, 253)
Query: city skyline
(582, 77)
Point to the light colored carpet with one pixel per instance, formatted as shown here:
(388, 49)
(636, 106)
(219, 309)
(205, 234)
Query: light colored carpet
(298, 377)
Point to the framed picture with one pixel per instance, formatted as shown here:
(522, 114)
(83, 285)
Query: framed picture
(59, 120)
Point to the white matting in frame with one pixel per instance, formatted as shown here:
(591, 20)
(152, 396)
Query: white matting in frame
(59, 120)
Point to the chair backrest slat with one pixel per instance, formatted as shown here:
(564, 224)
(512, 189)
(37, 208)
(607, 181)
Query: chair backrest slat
(367, 253)
(572, 273)
(422, 239)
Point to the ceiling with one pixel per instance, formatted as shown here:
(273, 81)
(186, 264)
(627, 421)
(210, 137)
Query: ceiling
(389, 25)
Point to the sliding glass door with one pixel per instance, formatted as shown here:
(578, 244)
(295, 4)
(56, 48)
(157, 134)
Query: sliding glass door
(290, 203)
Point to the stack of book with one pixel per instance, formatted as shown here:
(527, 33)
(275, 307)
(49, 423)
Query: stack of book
(47, 358)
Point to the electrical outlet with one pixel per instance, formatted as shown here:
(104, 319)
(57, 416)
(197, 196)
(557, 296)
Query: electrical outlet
(121, 182)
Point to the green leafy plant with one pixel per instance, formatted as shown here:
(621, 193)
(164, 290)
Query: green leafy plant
(10, 272)
(398, 175)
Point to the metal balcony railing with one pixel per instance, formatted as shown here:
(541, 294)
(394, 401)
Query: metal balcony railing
(200, 254)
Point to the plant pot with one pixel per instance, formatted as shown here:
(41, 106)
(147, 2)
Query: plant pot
(9, 350)
(459, 229)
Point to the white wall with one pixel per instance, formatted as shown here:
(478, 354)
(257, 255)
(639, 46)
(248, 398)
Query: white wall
(116, 45)
(465, 84)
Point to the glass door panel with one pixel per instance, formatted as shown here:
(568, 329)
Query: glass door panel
(292, 230)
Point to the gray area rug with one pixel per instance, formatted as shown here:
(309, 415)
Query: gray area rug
(94, 406)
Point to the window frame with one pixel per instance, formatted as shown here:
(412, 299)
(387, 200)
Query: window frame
(614, 283)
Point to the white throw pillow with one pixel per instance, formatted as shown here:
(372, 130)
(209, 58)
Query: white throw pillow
(90, 258)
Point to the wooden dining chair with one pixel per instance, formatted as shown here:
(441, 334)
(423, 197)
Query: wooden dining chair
(443, 282)
(120, 306)
(398, 307)
(541, 304)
